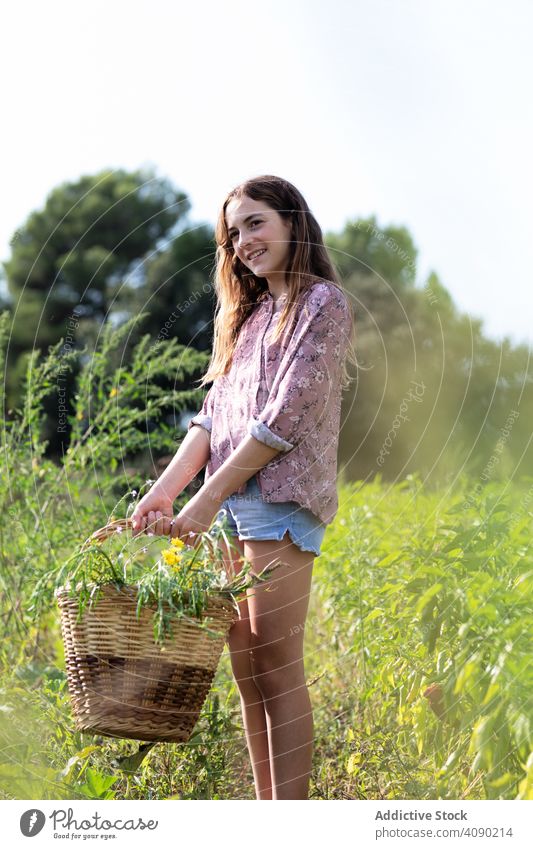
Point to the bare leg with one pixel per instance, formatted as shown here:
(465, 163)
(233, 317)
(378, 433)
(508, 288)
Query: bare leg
(252, 706)
(277, 614)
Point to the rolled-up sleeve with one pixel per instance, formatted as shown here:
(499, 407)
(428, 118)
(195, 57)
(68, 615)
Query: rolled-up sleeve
(205, 417)
(311, 364)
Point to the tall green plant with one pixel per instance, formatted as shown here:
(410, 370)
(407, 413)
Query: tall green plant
(48, 508)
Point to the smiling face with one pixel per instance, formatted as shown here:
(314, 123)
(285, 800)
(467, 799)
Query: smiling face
(259, 235)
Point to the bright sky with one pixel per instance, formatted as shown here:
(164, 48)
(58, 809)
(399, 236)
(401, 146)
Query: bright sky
(418, 112)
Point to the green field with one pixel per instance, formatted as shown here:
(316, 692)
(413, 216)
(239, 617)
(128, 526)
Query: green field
(419, 640)
(413, 589)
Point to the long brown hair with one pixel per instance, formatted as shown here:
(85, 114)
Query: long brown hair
(238, 289)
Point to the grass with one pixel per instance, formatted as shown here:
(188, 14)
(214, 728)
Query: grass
(418, 642)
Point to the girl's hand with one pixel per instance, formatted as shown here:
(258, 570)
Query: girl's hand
(196, 516)
(153, 513)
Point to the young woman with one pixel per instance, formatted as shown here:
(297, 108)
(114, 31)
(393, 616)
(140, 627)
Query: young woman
(268, 431)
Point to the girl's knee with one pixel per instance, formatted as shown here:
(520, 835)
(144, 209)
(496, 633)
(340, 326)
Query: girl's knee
(240, 656)
(239, 641)
(275, 670)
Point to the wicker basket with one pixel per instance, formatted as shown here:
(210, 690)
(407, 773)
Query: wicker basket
(124, 684)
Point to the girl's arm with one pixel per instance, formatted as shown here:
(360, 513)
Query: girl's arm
(155, 510)
(190, 458)
(249, 456)
(197, 515)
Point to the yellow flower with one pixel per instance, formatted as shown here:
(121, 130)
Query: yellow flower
(79, 416)
(171, 558)
(113, 392)
(177, 542)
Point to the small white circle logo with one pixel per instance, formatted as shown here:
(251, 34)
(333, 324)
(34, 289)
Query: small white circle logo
(32, 822)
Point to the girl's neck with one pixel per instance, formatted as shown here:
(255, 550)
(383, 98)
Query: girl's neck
(277, 285)
(278, 292)
(279, 301)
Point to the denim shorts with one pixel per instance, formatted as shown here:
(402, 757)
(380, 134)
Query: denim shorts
(249, 517)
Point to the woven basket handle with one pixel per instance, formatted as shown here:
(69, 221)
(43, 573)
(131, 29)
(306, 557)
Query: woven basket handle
(116, 527)
(127, 524)
(108, 530)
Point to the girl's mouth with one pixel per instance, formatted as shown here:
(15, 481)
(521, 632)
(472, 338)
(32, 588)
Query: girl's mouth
(257, 255)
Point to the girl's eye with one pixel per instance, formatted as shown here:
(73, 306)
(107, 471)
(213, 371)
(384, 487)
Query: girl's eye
(234, 235)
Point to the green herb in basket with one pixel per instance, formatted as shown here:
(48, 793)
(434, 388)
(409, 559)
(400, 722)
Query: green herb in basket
(176, 584)
(142, 641)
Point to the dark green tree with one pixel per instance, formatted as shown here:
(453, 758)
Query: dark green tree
(177, 289)
(410, 340)
(364, 248)
(70, 260)
(74, 254)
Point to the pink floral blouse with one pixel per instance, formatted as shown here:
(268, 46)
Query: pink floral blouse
(287, 394)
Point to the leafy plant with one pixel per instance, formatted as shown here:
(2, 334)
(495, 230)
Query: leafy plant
(418, 637)
(177, 585)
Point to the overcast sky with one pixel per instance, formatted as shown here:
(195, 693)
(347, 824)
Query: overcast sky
(418, 112)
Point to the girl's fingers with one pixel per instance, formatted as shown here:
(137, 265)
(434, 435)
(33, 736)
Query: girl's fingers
(154, 522)
(159, 523)
(150, 522)
(162, 527)
(175, 530)
(139, 526)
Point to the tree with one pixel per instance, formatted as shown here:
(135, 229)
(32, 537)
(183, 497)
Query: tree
(75, 252)
(70, 259)
(176, 290)
(365, 248)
